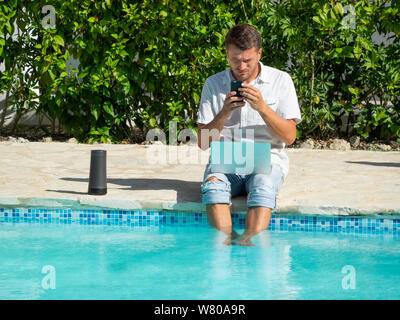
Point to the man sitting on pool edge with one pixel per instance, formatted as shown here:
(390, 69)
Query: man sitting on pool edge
(270, 108)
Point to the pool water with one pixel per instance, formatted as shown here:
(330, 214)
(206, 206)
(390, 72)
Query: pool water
(56, 261)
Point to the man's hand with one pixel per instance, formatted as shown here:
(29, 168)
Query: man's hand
(283, 129)
(253, 96)
(232, 103)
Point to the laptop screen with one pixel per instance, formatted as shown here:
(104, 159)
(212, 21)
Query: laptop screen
(240, 157)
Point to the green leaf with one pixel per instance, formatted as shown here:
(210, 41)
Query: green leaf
(152, 122)
(123, 53)
(339, 8)
(126, 87)
(108, 107)
(352, 90)
(95, 112)
(163, 14)
(82, 75)
(66, 55)
(52, 76)
(8, 26)
(62, 89)
(59, 40)
(196, 98)
(317, 19)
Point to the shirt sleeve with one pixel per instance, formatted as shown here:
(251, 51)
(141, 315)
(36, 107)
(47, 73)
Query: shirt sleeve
(288, 104)
(205, 114)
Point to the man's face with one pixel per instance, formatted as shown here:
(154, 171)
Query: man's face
(244, 64)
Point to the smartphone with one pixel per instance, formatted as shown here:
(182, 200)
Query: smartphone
(235, 85)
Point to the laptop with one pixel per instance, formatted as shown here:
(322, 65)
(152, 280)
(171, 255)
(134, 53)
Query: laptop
(240, 157)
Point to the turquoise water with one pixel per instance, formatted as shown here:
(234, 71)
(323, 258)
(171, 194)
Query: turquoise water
(191, 262)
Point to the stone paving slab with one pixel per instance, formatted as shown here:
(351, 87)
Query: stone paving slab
(56, 174)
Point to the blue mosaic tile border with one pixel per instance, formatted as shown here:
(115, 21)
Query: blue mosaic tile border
(100, 217)
(281, 222)
(340, 224)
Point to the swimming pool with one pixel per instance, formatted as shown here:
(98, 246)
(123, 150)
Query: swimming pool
(112, 254)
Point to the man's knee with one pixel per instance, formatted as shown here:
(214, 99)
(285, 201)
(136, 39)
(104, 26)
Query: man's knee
(215, 183)
(215, 190)
(213, 179)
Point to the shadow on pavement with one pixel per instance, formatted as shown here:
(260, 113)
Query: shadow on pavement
(186, 190)
(379, 164)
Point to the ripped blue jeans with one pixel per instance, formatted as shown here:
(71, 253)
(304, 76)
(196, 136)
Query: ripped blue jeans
(261, 189)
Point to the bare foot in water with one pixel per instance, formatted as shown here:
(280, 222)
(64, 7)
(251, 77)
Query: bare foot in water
(243, 240)
(231, 239)
(245, 243)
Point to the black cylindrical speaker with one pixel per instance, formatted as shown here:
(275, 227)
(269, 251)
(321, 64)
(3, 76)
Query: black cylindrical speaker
(98, 173)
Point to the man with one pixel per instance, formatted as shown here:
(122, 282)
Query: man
(270, 108)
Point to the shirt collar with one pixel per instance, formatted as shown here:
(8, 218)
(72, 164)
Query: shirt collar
(262, 78)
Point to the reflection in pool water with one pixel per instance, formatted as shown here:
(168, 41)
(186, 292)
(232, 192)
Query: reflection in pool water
(191, 262)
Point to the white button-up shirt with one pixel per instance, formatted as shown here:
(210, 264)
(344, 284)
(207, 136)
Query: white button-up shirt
(278, 92)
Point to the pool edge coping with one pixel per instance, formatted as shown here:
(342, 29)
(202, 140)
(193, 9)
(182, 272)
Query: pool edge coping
(189, 207)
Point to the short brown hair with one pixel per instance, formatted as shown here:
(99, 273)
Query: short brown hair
(244, 37)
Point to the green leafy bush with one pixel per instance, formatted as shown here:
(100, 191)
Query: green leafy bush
(147, 61)
(335, 65)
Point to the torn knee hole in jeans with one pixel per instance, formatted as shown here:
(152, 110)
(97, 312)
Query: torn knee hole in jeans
(215, 184)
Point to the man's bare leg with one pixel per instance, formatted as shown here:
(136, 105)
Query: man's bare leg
(257, 220)
(219, 217)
